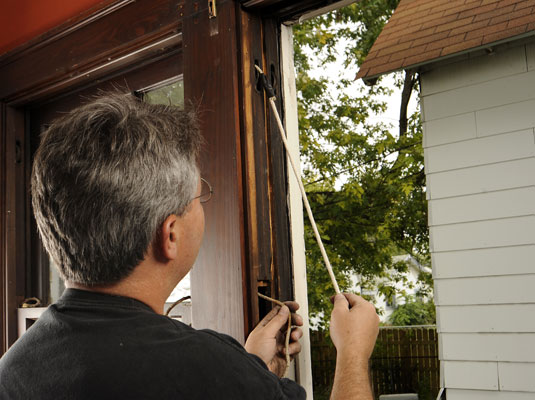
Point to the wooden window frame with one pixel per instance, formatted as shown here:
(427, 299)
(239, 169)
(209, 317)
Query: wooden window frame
(63, 66)
(218, 58)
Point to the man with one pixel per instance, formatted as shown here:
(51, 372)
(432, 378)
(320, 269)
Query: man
(117, 196)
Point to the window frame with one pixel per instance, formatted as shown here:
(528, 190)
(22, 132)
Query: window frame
(21, 263)
(259, 257)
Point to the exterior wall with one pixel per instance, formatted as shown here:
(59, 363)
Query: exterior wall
(479, 140)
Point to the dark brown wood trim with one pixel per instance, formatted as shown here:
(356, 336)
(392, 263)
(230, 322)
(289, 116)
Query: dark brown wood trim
(3, 231)
(91, 49)
(211, 70)
(284, 10)
(85, 51)
(243, 153)
(15, 211)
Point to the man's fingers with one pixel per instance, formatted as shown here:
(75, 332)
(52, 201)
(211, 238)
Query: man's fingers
(297, 320)
(353, 299)
(292, 305)
(277, 322)
(269, 316)
(297, 333)
(294, 348)
(343, 300)
(340, 302)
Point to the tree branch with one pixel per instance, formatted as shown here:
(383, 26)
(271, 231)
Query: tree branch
(408, 85)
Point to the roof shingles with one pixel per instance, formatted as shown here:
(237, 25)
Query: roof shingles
(420, 31)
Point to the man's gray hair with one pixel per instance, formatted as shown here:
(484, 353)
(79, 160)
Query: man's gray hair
(104, 179)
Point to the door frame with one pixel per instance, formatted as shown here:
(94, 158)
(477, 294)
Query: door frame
(260, 256)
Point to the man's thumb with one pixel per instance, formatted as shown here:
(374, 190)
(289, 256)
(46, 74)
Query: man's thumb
(340, 302)
(278, 321)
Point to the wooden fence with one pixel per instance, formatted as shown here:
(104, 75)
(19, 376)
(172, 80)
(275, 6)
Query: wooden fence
(405, 360)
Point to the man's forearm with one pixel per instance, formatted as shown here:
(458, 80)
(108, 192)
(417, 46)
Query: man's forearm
(351, 379)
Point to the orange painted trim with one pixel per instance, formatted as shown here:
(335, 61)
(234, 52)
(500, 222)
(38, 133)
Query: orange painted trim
(23, 20)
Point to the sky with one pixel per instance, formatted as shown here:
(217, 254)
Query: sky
(337, 69)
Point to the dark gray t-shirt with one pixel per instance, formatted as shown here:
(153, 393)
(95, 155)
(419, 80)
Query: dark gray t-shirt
(96, 346)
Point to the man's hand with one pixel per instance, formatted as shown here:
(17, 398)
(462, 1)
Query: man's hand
(267, 339)
(354, 329)
(354, 325)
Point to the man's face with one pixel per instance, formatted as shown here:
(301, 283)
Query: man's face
(192, 231)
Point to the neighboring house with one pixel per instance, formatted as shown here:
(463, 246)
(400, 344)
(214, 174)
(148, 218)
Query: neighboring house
(408, 286)
(476, 61)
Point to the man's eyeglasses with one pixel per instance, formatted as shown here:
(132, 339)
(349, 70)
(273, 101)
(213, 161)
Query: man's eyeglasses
(206, 191)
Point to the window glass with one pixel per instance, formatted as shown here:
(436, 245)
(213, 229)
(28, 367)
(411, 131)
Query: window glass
(168, 93)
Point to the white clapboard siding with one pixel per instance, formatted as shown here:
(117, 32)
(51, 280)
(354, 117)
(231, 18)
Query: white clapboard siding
(530, 56)
(459, 127)
(486, 178)
(517, 376)
(506, 118)
(484, 262)
(494, 93)
(483, 234)
(477, 68)
(479, 147)
(461, 394)
(482, 206)
(471, 375)
(506, 289)
(512, 347)
(487, 318)
(486, 150)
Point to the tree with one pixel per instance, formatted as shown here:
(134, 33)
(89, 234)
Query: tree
(415, 311)
(365, 181)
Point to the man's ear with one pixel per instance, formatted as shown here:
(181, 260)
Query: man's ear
(168, 238)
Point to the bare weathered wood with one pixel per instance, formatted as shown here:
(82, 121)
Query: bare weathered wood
(253, 136)
(282, 262)
(268, 257)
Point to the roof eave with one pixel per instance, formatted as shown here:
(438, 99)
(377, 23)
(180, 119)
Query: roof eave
(372, 79)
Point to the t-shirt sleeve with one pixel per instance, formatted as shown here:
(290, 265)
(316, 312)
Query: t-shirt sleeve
(287, 388)
(292, 390)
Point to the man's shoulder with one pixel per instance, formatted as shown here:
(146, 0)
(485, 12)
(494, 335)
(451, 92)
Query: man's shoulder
(145, 353)
(203, 344)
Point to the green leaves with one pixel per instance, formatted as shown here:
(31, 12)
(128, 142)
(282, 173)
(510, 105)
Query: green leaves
(414, 312)
(364, 180)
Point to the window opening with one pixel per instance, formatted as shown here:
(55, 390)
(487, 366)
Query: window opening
(362, 163)
(168, 92)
